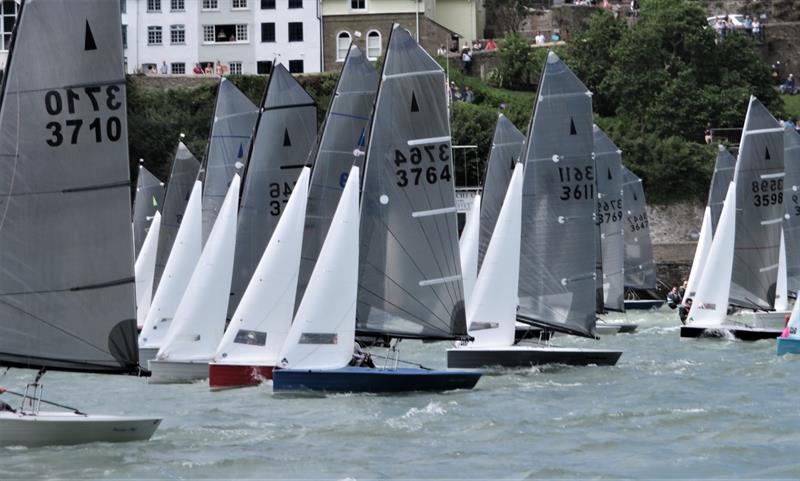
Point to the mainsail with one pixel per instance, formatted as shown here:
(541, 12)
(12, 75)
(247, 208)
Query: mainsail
(791, 199)
(149, 194)
(66, 255)
(611, 221)
(720, 180)
(181, 180)
(409, 270)
(284, 133)
(506, 150)
(640, 269)
(558, 253)
(759, 215)
(340, 146)
(234, 118)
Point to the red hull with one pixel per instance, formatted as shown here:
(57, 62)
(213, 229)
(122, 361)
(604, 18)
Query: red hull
(229, 376)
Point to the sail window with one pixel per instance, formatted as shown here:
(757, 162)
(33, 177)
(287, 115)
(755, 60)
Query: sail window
(250, 338)
(373, 45)
(342, 45)
(318, 338)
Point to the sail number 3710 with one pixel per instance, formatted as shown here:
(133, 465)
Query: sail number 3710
(417, 172)
(72, 130)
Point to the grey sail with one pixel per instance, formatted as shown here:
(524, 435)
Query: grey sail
(791, 198)
(234, 118)
(67, 299)
(720, 180)
(558, 252)
(409, 270)
(759, 210)
(149, 195)
(341, 144)
(506, 151)
(640, 269)
(284, 133)
(610, 221)
(185, 169)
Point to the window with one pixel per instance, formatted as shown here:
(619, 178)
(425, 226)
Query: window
(178, 68)
(373, 45)
(9, 16)
(124, 37)
(236, 68)
(123, 6)
(239, 4)
(263, 67)
(225, 33)
(295, 3)
(342, 46)
(208, 33)
(241, 33)
(268, 32)
(177, 5)
(153, 5)
(177, 34)
(358, 4)
(267, 4)
(153, 35)
(318, 338)
(295, 31)
(295, 66)
(210, 5)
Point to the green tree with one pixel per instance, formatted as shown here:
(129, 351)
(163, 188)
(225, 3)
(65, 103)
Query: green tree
(507, 15)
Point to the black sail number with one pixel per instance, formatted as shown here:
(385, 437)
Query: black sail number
(609, 211)
(279, 193)
(637, 222)
(796, 206)
(767, 192)
(423, 164)
(74, 130)
(576, 183)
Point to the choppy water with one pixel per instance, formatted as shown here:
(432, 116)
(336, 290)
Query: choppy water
(669, 409)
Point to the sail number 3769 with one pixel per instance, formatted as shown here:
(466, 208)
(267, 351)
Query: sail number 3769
(72, 130)
(417, 172)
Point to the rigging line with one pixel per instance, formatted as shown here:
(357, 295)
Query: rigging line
(399, 308)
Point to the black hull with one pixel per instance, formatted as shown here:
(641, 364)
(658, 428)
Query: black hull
(741, 333)
(527, 357)
(371, 380)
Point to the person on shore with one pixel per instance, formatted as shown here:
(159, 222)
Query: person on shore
(469, 95)
(490, 45)
(707, 134)
(673, 298)
(789, 86)
(442, 51)
(197, 70)
(164, 69)
(466, 57)
(683, 311)
(208, 70)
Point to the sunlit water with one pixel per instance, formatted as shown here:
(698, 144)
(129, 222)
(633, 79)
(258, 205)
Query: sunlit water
(670, 408)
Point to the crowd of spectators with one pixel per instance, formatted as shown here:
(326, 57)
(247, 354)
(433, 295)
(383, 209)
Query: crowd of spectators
(725, 24)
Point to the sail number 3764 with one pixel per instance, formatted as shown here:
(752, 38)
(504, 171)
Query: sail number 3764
(417, 172)
(72, 130)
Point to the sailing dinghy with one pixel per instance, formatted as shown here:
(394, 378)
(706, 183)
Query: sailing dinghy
(789, 340)
(149, 196)
(66, 249)
(144, 271)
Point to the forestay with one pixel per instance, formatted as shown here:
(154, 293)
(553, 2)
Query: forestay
(559, 253)
(720, 180)
(285, 131)
(341, 145)
(66, 250)
(410, 274)
(791, 198)
(640, 269)
(507, 147)
(611, 220)
(232, 127)
(759, 216)
(181, 180)
(149, 194)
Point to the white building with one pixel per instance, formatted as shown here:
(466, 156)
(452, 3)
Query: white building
(244, 36)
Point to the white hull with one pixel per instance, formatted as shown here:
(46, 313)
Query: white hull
(763, 320)
(147, 353)
(607, 329)
(174, 372)
(59, 428)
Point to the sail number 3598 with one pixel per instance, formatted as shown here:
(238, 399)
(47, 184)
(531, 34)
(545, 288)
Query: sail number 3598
(416, 173)
(55, 103)
(767, 192)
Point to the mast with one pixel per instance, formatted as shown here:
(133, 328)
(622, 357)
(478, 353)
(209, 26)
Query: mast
(67, 295)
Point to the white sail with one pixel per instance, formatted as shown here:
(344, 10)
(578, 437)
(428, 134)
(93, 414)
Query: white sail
(700, 254)
(781, 285)
(468, 247)
(180, 265)
(323, 332)
(200, 317)
(262, 320)
(710, 304)
(794, 322)
(492, 310)
(145, 269)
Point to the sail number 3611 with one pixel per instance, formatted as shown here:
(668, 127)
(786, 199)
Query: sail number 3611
(576, 183)
(417, 173)
(56, 103)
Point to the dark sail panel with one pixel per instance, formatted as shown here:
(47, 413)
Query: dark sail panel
(234, 118)
(181, 180)
(640, 269)
(67, 298)
(149, 195)
(285, 131)
(409, 270)
(558, 256)
(720, 180)
(341, 145)
(791, 199)
(611, 221)
(759, 181)
(506, 151)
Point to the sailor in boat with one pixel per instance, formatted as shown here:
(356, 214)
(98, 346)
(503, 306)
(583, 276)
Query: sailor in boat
(683, 311)
(4, 406)
(361, 358)
(673, 298)
(682, 290)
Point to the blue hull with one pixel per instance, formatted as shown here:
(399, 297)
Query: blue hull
(369, 380)
(788, 345)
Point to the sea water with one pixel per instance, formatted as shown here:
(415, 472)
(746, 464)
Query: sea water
(671, 408)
